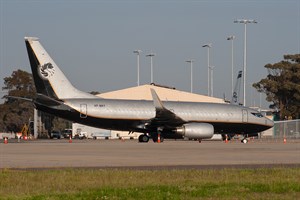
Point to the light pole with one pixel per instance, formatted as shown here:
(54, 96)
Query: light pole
(231, 37)
(151, 64)
(138, 65)
(245, 22)
(208, 70)
(191, 62)
(212, 80)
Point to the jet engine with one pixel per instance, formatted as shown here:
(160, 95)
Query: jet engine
(196, 130)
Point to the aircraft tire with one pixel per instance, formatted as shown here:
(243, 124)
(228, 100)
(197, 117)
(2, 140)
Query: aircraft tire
(140, 138)
(143, 138)
(155, 139)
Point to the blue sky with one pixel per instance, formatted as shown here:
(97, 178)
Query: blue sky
(93, 41)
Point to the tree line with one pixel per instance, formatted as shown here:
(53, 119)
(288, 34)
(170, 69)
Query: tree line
(282, 86)
(14, 112)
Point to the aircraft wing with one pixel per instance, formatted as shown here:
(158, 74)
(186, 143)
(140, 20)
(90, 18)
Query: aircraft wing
(164, 118)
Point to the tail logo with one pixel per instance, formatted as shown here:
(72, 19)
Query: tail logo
(46, 70)
(234, 97)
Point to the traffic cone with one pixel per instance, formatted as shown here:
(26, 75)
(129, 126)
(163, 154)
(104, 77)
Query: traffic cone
(122, 139)
(226, 139)
(5, 140)
(158, 138)
(70, 139)
(284, 140)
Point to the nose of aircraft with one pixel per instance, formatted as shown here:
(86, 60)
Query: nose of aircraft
(269, 122)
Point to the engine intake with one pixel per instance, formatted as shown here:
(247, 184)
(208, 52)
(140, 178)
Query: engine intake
(196, 130)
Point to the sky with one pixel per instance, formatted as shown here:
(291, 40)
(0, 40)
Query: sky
(93, 41)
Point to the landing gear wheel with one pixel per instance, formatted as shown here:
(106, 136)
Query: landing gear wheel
(155, 139)
(143, 138)
(244, 141)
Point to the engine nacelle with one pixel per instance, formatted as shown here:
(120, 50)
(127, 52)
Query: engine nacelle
(196, 130)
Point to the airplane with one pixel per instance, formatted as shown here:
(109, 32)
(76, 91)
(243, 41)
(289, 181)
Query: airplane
(154, 119)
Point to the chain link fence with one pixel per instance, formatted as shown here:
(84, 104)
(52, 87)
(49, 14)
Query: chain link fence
(289, 130)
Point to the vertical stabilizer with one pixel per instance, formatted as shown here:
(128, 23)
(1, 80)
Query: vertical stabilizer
(236, 91)
(48, 78)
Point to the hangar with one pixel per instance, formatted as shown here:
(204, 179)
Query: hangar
(142, 92)
(165, 93)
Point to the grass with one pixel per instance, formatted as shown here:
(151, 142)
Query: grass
(273, 183)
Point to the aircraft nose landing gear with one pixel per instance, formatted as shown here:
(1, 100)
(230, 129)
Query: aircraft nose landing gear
(244, 141)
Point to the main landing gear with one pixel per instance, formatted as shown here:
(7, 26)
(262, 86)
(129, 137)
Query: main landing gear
(144, 138)
(155, 138)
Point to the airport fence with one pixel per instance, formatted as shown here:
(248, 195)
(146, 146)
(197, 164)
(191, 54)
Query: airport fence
(287, 129)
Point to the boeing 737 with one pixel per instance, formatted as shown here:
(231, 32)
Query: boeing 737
(57, 96)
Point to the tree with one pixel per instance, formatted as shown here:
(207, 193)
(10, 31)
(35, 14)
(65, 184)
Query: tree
(15, 113)
(19, 84)
(282, 86)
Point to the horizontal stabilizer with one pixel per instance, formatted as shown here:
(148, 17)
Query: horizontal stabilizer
(43, 99)
(18, 98)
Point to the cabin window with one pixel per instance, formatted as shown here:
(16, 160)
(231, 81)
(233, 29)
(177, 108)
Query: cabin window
(257, 115)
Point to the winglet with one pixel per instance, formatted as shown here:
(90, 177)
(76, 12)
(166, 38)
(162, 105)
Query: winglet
(164, 118)
(157, 102)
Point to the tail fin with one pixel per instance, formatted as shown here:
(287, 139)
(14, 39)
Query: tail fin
(236, 92)
(48, 78)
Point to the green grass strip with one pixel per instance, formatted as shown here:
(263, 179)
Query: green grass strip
(273, 183)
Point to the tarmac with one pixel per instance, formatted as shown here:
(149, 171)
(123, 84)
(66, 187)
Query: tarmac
(56, 154)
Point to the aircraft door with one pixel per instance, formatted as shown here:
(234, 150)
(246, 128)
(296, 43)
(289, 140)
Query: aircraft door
(83, 111)
(244, 116)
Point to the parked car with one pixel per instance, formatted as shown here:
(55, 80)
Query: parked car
(81, 135)
(67, 133)
(55, 134)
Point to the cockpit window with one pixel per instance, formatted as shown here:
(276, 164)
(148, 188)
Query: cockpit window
(257, 115)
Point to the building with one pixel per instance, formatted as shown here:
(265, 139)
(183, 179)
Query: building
(164, 93)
